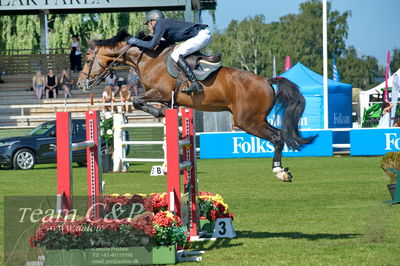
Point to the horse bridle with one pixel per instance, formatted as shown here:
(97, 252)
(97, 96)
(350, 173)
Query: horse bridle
(105, 72)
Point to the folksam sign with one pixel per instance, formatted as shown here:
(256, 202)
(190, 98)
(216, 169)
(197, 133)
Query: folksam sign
(243, 145)
(374, 141)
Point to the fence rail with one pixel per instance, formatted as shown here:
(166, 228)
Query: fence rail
(33, 51)
(25, 118)
(29, 63)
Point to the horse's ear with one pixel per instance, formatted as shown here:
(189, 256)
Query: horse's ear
(91, 44)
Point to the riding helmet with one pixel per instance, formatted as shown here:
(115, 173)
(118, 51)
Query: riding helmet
(154, 15)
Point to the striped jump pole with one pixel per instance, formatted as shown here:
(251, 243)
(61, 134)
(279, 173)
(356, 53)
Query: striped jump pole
(174, 144)
(64, 161)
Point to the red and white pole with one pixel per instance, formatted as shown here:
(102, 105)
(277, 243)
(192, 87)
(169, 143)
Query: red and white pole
(188, 165)
(64, 161)
(173, 162)
(93, 157)
(189, 154)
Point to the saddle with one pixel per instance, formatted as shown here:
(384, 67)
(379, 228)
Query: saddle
(201, 64)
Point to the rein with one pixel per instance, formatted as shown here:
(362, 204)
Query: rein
(106, 70)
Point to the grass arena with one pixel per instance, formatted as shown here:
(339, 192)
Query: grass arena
(143, 133)
(331, 214)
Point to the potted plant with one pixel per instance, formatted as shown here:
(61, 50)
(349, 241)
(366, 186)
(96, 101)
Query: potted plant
(147, 238)
(391, 160)
(212, 206)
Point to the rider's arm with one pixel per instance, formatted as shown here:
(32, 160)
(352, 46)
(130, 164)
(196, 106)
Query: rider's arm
(158, 33)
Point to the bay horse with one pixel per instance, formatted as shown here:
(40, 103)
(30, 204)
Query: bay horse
(249, 97)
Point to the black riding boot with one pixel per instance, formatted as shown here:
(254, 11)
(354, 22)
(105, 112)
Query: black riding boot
(195, 85)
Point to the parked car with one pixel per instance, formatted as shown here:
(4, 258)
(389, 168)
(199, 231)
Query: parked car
(39, 146)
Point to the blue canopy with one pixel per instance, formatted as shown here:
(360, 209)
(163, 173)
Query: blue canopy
(311, 86)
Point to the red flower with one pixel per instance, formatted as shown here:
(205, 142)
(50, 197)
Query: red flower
(32, 240)
(159, 200)
(213, 215)
(206, 194)
(221, 208)
(164, 219)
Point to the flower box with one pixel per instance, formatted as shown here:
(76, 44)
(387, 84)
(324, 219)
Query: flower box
(111, 256)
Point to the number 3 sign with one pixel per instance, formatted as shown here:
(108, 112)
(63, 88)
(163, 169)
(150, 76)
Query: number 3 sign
(224, 228)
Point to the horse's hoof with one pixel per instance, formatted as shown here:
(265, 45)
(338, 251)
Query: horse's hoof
(282, 174)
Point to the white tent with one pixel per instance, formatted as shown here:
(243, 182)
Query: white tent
(364, 95)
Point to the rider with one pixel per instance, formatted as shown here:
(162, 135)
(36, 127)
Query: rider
(194, 38)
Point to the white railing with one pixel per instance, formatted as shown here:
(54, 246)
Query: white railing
(25, 118)
(120, 161)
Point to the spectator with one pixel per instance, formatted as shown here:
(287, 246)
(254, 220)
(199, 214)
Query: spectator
(125, 96)
(385, 119)
(38, 83)
(66, 83)
(75, 54)
(118, 84)
(51, 85)
(108, 97)
(133, 81)
(111, 80)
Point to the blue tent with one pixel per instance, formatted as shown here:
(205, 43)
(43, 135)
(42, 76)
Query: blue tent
(311, 86)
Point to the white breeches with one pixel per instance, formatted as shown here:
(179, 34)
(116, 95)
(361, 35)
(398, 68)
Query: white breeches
(194, 44)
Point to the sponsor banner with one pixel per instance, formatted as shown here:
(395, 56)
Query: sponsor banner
(243, 145)
(374, 141)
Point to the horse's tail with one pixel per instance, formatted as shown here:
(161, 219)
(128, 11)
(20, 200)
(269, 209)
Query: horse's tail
(292, 103)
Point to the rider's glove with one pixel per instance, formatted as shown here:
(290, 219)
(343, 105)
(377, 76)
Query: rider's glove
(133, 41)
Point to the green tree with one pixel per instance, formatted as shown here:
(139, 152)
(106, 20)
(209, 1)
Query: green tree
(253, 43)
(247, 50)
(359, 71)
(395, 60)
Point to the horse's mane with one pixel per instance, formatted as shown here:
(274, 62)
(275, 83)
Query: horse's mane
(121, 36)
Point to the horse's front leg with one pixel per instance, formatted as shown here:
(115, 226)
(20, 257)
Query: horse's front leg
(140, 103)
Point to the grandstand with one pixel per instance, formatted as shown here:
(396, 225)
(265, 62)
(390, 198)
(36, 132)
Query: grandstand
(19, 107)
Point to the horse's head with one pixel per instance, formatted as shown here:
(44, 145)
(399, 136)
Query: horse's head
(101, 54)
(95, 65)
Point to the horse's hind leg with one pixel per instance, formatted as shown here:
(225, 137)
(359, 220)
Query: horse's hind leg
(277, 140)
(265, 131)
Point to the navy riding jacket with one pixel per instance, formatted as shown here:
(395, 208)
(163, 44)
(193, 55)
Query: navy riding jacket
(173, 31)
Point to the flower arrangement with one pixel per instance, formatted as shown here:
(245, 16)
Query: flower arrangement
(82, 233)
(159, 202)
(212, 206)
(129, 220)
(126, 205)
(155, 202)
(169, 229)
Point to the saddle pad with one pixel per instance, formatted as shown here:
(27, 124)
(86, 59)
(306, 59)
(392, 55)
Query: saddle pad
(202, 70)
